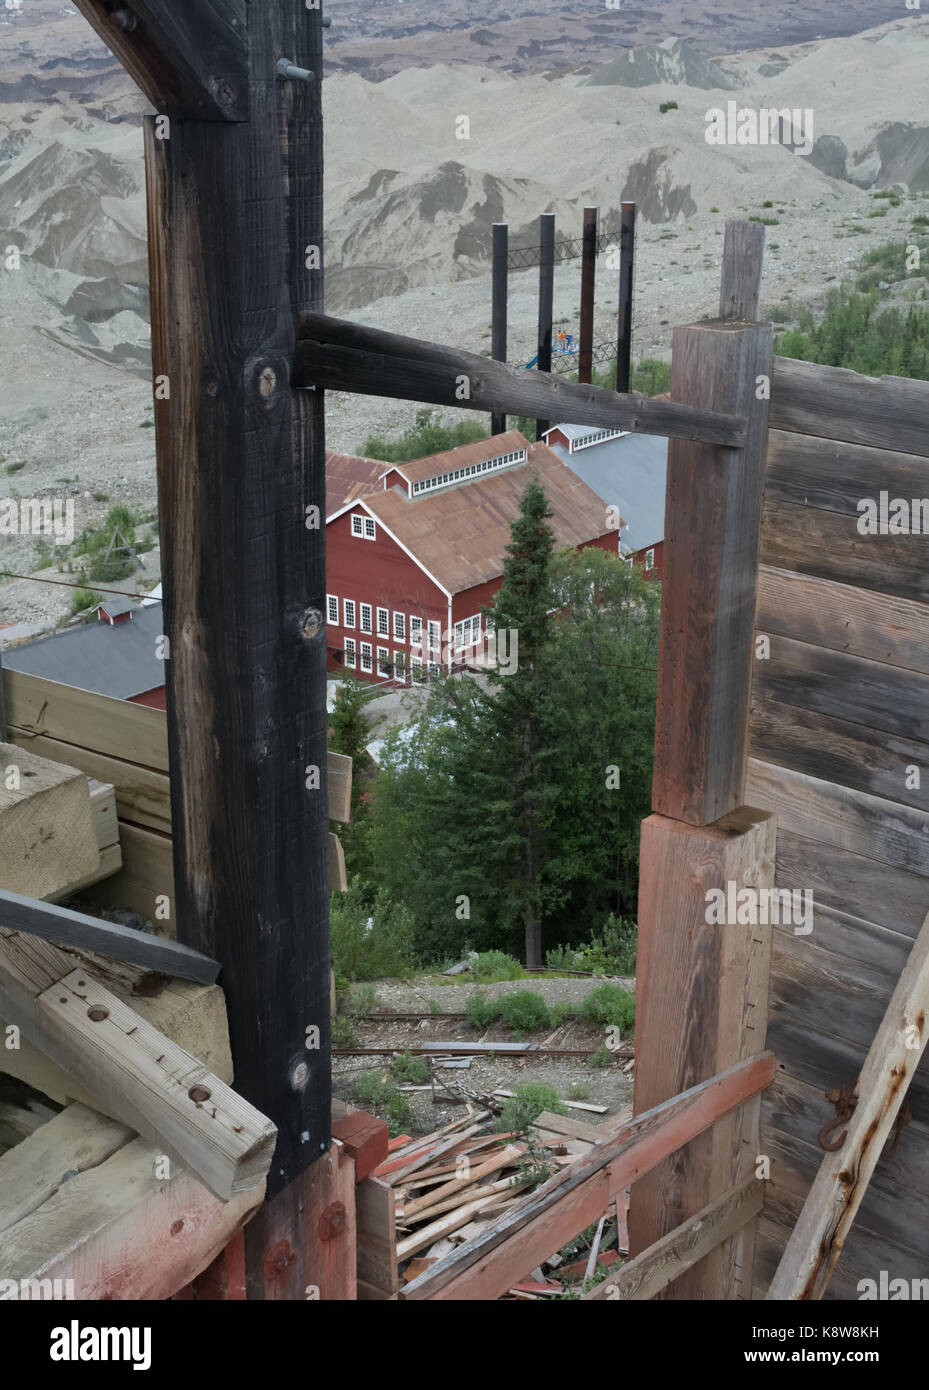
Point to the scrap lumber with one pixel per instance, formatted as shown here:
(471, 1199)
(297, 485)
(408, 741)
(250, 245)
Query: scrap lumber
(832, 1202)
(153, 1085)
(106, 829)
(569, 1126)
(376, 1247)
(342, 356)
(579, 1195)
(47, 836)
(77, 930)
(364, 1136)
(462, 1216)
(420, 1159)
(114, 1226)
(510, 1155)
(671, 1256)
(460, 1198)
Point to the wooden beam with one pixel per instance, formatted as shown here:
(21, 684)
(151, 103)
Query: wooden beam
(344, 356)
(498, 309)
(701, 1006)
(487, 1266)
(377, 1237)
(674, 1254)
(546, 299)
(626, 284)
(712, 520)
(47, 836)
(235, 240)
(743, 256)
(833, 1200)
(154, 1086)
(83, 933)
(112, 1223)
(887, 412)
(190, 60)
(585, 342)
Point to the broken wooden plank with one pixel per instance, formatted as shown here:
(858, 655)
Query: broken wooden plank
(578, 1196)
(47, 837)
(510, 1155)
(678, 1251)
(445, 1225)
(376, 1249)
(343, 356)
(79, 932)
(567, 1125)
(339, 781)
(832, 1202)
(156, 1087)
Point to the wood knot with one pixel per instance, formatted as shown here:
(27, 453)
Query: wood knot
(332, 1221)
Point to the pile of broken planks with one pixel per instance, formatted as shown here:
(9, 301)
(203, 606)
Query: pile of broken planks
(450, 1186)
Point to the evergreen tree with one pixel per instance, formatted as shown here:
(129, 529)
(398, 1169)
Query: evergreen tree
(350, 733)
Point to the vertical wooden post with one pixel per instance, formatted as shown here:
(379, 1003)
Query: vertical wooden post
(743, 256)
(2, 702)
(585, 355)
(702, 979)
(546, 299)
(498, 309)
(235, 236)
(626, 279)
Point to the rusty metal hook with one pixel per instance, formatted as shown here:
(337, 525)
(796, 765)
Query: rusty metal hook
(844, 1100)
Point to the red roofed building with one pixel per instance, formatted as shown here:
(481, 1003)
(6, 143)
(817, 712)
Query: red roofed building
(414, 553)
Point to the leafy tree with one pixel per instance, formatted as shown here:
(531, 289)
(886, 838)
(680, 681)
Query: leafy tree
(427, 436)
(856, 332)
(350, 733)
(95, 544)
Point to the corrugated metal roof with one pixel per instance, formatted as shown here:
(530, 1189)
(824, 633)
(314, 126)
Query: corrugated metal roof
(433, 465)
(118, 660)
(460, 533)
(349, 476)
(631, 474)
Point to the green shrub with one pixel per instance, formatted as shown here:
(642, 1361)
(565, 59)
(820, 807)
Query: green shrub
(578, 1091)
(613, 951)
(399, 1115)
(609, 1005)
(524, 1010)
(496, 965)
(667, 106)
(426, 437)
(482, 1011)
(343, 1032)
(15, 467)
(600, 1057)
(562, 958)
(82, 599)
(413, 1070)
(373, 1090)
(522, 1109)
(375, 952)
(360, 999)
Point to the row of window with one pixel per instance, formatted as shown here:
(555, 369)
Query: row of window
(471, 471)
(649, 560)
(364, 526)
(596, 437)
(361, 655)
(362, 615)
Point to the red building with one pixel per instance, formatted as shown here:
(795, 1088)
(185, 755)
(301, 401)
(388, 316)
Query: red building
(414, 550)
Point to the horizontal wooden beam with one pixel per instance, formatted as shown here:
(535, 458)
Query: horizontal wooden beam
(83, 933)
(833, 1200)
(671, 1256)
(343, 356)
(487, 1266)
(157, 1088)
(189, 58)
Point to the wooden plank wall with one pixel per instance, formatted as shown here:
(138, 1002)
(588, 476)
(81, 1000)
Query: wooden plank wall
(839, 722)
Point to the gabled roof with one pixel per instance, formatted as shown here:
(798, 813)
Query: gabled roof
(629, 473)
(349, 476)
(115, 607)
(433, 465)
(459, 534)
(118, 660)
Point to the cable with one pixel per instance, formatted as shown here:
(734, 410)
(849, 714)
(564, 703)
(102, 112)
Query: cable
(66, 584)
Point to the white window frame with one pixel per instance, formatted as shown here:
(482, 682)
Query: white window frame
(650, 559)
(332, 617)
(467, 633)
(363, 526)
(370, 529)
(435, 669)
(348, 608)
(367, 652)
(366, 626)
(416, 630)
(416, 669)
(383, 613)
(400, 664)
(358, 524)
(434, 633)
(383, 654)
(350, 652)
(399, 626)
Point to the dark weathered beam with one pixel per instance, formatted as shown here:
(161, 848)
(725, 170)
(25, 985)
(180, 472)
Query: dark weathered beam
(626, 282)
(235, 231)
(83, 933)
(498, 310)
(190, 57)
(546, 299)
(585, 345)
(344, 356)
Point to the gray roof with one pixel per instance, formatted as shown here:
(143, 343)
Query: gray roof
(115, 607)
(118, 660)
(629, 473)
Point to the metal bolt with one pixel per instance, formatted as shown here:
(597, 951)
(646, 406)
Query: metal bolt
(125, 19)
(326, 21)
(285, 68)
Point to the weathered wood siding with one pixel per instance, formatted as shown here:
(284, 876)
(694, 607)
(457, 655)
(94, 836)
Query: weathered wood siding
(839, 722)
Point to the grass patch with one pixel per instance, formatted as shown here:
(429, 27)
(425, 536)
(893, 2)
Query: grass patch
(522, 1109)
